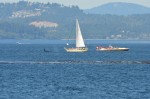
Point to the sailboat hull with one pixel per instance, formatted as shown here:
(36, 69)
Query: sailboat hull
(76, 49)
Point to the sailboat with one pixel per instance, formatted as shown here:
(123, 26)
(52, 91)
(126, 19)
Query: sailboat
(80, 45)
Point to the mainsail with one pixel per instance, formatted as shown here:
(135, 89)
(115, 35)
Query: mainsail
(79, 38)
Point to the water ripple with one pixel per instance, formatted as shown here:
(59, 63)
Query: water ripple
(78, 62)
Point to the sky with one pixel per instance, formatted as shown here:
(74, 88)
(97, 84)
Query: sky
(86, 4)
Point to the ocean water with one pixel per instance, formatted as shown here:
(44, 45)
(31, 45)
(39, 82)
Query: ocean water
(27, 72)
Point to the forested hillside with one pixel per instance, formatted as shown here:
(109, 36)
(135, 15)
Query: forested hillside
(30, 20)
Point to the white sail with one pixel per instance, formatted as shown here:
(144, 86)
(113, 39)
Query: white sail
(79, 38)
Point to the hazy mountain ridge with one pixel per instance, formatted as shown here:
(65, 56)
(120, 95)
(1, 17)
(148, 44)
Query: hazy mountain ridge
(29, 20)
(119, 8)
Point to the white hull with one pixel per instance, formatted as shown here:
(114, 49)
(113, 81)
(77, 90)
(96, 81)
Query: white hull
(111, 49)
(76, 49)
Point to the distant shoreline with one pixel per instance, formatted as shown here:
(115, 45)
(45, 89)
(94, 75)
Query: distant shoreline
(72, 41)
(114, 39)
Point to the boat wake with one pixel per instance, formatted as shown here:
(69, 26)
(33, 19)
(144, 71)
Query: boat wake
(77, 62)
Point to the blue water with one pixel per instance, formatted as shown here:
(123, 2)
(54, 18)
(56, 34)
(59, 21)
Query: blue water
(27, 72)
